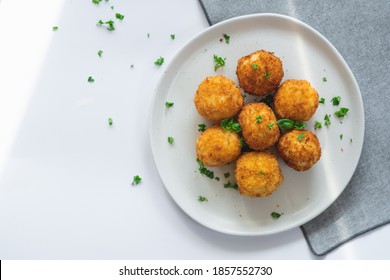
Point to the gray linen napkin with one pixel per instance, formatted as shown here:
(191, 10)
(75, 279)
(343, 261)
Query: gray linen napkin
(360, 31)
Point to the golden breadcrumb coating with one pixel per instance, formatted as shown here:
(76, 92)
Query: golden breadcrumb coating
(259, 126)
(217, 146)
(300, 149)
(296, 100)
(217, 98)
(259, 73)
(258, 174)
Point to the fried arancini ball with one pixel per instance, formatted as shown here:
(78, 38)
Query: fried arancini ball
(300, 149)
(259, 73)
(217, 98)
(259, 126)
(296, 100)
(217, 146)
(258, 174)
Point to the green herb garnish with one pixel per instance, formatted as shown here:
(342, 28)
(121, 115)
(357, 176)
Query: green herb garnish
(110, 122)
(97, 2)
(203, 170)
(173, 36)
(317, 124)
(261, 172)
(55, 28)
(229, 185)
(270, 125)
(168, 104)
(227, 38)
(341, 113)
(275, 215)
(300, 136)
(219, 62)
(100, 52)
(136, 180)
(226, 175)
(202, 199)
(170, 139)
(335, 100)
(229, 124)
(201, 127)
(159, 61)
(255, 66)
(266, 75)
(109, 24)
(322, 100)
(341, 136)
(258, 119)
(119, 16)
(286, 124)
(324, 79)
(90, 79)
(327, 120)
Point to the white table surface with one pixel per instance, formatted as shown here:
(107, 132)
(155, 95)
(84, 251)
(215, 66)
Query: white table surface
(65, 174)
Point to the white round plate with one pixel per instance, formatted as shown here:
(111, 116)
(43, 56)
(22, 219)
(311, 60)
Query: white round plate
(305, 54)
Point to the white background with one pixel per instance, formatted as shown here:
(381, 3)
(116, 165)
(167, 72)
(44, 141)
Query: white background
(65, 174)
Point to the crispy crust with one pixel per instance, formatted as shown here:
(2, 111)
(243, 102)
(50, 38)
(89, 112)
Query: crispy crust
(217, 146)
(259, 73)
(217, 98)
(296, 100)
(300, 149)
(258, 174)
(259, 126)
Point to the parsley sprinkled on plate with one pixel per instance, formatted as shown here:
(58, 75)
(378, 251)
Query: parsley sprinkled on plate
(109, 24)
(335, 100)
(202, 199)
(317, 125)
(341, 136)
(159, 61)
(226, 37)
(341, 113)
(136, 180)
(201, 127)
(275, 215)
(203, 170)
(168, 104)
(100, 52)
(170, 139)
(55, 28)
(322, 100)
(110, 121)
(119, 16)
(173, 36)
(327, 120)
(90, 79)
(324, 79)
(229, 185)
(219, 62)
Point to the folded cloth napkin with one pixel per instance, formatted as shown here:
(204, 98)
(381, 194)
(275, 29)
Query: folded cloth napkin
(359, 30)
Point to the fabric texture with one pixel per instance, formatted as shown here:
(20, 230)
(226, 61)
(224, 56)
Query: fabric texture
(360, 31)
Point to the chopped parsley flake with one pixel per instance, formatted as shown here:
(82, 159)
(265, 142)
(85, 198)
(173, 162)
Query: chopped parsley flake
(270, 125)
(202, 199)
(170, 139)
(90, 79)
(229, 124)
(136, 180)
(317, 124)
(159, 61)
(173, 36)
(342, 112)
(169, 104)
(335, 100)
(201, 127)
(219, 62)
(55, 28)
(110, 122)
(227, 38)
(229, 185)
(255, 66)
(119, 16)
(327, 120)
(100, 52)
(275, 215)
(322, 100)
(341, 136)
(109, 24)
(203, 170)
(261, 172)
(300, 136)
(324, 79)
(226, 175)
(97, 2)
(258, 119)
(266, 75)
